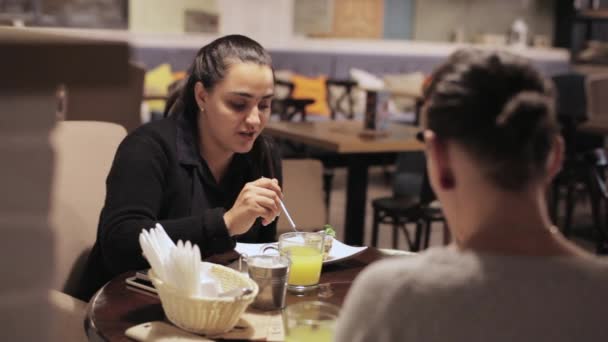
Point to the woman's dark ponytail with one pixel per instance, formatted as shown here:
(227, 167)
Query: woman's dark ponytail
(525, 117)
(499, 107)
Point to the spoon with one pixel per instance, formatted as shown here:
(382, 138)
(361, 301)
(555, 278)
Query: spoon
(293, 225)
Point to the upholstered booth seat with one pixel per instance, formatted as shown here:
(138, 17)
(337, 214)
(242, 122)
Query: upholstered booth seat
(84, 151)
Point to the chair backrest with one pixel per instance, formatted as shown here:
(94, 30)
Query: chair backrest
(84, 151)
(304, 197)
(597, 97)
(411, 177)
(571, 97)
(341, 98)
(120, 104)
(571, 108)
(409, 172)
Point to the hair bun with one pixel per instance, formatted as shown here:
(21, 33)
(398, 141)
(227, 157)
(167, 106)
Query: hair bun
(524, 115)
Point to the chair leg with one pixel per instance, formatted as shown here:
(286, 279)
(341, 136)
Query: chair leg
(595, 195)
(406, 233)
(395, 233)
(602, 247)
(427, 235)
(569, 208)
(447, 235)
(554, 201)
(375, 223)
(418, 237)
(595, 212)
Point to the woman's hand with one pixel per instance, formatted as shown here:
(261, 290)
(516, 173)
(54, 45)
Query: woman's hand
(257, 199)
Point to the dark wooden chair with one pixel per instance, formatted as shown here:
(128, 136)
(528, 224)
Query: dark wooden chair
(336, 103)
(289, 108)
(583, 172)
(410, 206)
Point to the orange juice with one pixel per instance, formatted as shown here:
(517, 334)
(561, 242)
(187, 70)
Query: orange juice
(307, 333)
(306, 265)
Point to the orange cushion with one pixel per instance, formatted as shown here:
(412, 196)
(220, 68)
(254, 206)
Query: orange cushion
(179, 75)
(312, 88)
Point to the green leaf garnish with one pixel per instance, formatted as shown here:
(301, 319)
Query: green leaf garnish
(329, 230)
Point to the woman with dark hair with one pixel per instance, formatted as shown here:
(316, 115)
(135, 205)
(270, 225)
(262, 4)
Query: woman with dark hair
(205, 173)
(492, 148)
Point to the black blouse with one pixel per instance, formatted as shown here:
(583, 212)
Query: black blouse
(158, 176)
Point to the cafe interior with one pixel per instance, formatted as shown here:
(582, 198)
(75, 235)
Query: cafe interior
(78, 76)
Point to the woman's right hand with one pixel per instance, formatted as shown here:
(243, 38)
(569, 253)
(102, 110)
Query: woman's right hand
(259, 198)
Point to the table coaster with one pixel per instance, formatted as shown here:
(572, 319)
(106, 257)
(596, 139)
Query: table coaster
(253, 325)
(258, 326)
(159, 331)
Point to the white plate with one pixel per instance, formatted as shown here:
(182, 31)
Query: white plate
(338, 252)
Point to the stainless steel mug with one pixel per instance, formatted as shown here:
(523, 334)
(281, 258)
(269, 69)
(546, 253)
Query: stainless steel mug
(270, 272)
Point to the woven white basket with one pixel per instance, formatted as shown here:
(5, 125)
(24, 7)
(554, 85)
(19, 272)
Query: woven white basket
(207, 315)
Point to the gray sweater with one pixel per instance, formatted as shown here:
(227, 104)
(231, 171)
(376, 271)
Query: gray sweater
(446, 294)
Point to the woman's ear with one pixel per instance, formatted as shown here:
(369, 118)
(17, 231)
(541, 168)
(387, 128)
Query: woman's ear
(556, 158)
(440, 172)
(200, 95)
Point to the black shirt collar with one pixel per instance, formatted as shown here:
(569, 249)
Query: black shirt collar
(187, 141)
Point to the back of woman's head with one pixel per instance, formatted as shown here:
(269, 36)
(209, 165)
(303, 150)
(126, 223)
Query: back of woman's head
(499, 108)
(211, 65)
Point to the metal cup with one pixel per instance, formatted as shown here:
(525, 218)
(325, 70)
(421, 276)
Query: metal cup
(376, 110)
(270, 272)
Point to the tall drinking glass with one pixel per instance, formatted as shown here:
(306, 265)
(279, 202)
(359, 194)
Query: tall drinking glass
(305, 251)
(310, 321)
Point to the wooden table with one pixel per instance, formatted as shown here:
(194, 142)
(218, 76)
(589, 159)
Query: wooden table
(154, 97)
(115, 307)
(344, 137)
(595, 126)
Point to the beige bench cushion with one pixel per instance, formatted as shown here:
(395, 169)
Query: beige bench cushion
(68, 313)
(84, 151)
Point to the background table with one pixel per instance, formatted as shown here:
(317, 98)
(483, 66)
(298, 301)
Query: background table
(116, 308)
(595, 126)
(344, 137)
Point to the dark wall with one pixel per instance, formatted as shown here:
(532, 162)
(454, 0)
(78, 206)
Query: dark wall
(573, 34)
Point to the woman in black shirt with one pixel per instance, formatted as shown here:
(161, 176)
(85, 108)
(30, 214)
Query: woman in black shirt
(205, 173)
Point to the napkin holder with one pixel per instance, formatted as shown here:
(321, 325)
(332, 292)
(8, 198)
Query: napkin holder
(375, 123)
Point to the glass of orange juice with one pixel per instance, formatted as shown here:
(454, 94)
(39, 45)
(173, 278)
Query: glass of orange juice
(305, 251)
(310, 321)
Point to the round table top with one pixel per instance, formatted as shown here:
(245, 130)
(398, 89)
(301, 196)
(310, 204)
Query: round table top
(115, 308)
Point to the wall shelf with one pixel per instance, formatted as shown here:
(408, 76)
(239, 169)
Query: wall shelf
(592, 15)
